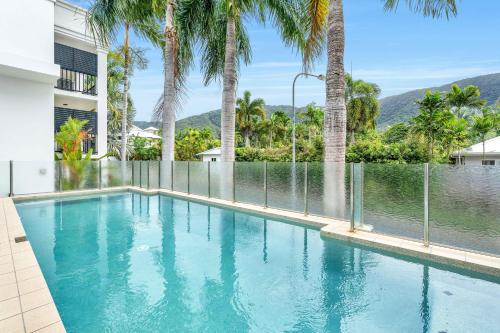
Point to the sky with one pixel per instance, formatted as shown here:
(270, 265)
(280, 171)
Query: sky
(400, 51)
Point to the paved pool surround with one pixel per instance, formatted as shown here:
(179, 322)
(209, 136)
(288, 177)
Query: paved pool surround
(26, 304)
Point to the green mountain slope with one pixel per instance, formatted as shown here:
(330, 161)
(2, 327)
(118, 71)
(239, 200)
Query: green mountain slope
(393, 109)
(402, 107)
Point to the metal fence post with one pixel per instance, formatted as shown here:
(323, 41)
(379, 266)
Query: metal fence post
(159, 174)
(426, 204)
(208, 176)
(140, 174)
(148, 173)
(60, 178)
(132, 180)
(172, 175)
(361, 193)
(11, 178)
(306, 190)
(234, 181)
(265, 184)
(351, 225)
(100, 174)
(189, 179)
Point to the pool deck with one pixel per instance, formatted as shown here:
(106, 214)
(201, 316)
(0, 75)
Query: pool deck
(26, 304)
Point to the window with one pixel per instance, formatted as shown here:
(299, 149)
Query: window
(489, 162)
(214, 159)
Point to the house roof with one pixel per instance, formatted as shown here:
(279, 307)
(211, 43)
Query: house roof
(492, 147)
(213, 151)
(136, 131)
(151, 129)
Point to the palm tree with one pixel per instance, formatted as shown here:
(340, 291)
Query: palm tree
(329, 15)
(483, 124)
(362, 105)
(226, 44)
(104, 19)
(115, 94)
(462, 100)
(312, 118)
(247, 113)
(432, 119)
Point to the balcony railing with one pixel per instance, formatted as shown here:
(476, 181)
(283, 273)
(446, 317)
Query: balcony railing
(86, 145)
(76, 81)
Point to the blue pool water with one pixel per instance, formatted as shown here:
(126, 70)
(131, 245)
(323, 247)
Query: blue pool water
(135, 263)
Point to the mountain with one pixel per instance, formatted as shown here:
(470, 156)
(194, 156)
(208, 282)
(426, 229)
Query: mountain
(393, 109)
(211, 119)
(402, 107)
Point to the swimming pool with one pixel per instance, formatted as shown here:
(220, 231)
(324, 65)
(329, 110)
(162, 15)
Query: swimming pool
(135, 263)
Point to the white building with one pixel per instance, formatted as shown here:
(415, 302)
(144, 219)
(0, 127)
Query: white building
(50, 69)
(142, 133)
(211, 155)
(473, 155)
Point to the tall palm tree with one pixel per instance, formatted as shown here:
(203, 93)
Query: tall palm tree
(104, 19)
(362, 105)
(226, 44)
(329, 15)
(247, 112)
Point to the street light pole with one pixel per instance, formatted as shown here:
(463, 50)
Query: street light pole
(319, 77)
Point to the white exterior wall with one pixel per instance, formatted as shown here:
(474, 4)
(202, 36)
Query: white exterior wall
(26, 28)
(208, 158)
(478, 160)
(102, 105)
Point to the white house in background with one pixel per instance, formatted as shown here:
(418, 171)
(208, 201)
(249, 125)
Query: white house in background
(152, 130)
(50, 69)
(473, 155)
(139, 132)
(211, 155)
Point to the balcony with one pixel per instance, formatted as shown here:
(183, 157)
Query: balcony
(78, 71)
(76, 81)
(62, 114)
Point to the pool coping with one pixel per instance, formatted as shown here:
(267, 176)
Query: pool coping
(26, 304)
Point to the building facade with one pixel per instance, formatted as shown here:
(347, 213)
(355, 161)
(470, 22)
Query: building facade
(473, 155)
(50, 69)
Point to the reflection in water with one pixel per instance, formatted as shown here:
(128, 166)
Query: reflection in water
(234, 273)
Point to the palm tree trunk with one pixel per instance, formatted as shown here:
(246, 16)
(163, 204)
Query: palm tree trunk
(229, 93)
(247, 138)
(484, 149)
(123, 148)
(353, 138)
(169, 93)
(335, 108)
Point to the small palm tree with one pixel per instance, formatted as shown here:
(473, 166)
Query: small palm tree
(312, 118)
(463, 100)
(247, 113)
(362, 105)
(104, 19)
(483, 124)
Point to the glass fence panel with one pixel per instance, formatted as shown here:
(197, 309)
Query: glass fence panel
(464, 207)
(4, 178)
(144, 169)
(32, 177)
(285, 185)
(393, 199)
(115, 173)
(221, 180)
(329, 189)
(250, 182)
(198, 178)
(136, 173)
(154, 174)
(78, 175)
(181, 176)
(166, 174)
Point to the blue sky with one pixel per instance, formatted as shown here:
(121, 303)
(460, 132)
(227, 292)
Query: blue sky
(399, 51)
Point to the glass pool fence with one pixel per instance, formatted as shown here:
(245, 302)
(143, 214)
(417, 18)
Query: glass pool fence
(455, 206)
